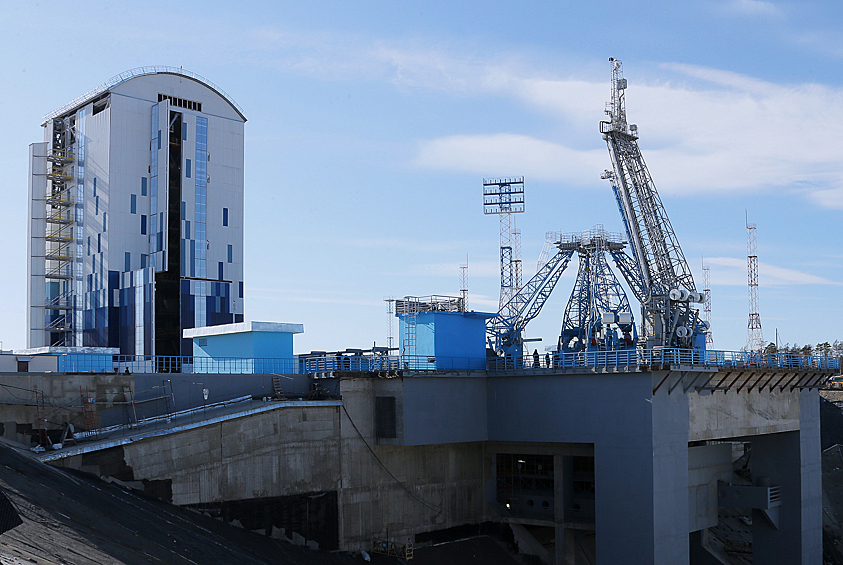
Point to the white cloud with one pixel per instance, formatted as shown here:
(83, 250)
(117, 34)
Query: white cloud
(480, 269)
(712, 130)
(738, 134)
(497, 154)
(828, 198)
(734, 274)
(755, 8)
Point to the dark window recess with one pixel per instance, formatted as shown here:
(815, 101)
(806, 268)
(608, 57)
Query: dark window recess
(525, 484)
(99, 106)
(181, 103)
(143, 224)
(385, 424)
(225, 216)
(23, 366)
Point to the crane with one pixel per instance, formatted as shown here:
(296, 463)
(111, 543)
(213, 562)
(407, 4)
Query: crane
(657, 271)
(505, 330)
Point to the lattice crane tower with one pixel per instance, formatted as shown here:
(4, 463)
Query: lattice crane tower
(666, 280)
(709, 339)
(754, 335)
(505, 197)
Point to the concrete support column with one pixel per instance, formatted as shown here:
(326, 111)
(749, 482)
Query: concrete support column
(641, 491)
(670, 478)
(565, 538)
(791, 460)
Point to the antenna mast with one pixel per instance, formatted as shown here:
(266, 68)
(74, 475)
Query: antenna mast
(464, 284)
(754, 335)
(709, 339)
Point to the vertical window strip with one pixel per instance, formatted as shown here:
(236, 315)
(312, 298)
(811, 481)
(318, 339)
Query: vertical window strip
(133, 205)
(200, 203)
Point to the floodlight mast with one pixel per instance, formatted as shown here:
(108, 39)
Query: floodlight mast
(663, 276)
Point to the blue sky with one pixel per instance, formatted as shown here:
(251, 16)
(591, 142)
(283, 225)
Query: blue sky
(372, 124)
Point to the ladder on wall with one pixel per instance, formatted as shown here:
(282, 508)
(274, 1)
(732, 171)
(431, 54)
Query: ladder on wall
(408, 342)
(88, 417)
(277, 388)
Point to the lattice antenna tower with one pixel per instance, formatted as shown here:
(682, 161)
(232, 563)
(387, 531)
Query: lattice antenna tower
(505, 197)
(390, 315)
(709, 339)
(464, 284)
(754, 335)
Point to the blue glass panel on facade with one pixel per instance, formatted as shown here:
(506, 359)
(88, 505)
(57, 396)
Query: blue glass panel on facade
(187, 229)
(187, 168)
(133, 205)
(221, 271)
(95, 187)
(241, 289)
(143, 224)
(143, 260)
(96, 205)
(128, 265)
(143, 186)
(99, 247)
(230, 252)
(225, 216)
(105, 221)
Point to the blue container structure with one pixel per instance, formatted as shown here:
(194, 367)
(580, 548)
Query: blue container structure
(447, 341)
(244, 347)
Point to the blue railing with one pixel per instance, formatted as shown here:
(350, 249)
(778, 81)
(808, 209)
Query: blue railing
(369, 363)
(651, 357)
(99, 363)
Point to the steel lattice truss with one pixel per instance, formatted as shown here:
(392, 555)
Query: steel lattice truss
(596, 293)
(662, 267)
(505, 330)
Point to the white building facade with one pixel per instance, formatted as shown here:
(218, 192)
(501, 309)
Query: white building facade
(136, 215)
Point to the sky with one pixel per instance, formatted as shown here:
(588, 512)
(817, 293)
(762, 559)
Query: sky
(371, 126)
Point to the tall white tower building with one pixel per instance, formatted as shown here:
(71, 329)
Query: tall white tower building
(136, 215)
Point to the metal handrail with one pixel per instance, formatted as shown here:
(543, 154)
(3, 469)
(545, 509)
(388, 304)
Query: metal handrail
(136, 72)
(657, 357)
(336, 365)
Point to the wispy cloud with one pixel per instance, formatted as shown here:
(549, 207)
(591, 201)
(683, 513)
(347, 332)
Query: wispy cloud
(735, 133)
(480, 269)
(702, 129)
(829, 198)
(500, 153)
(754, 8)
(734, 274)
